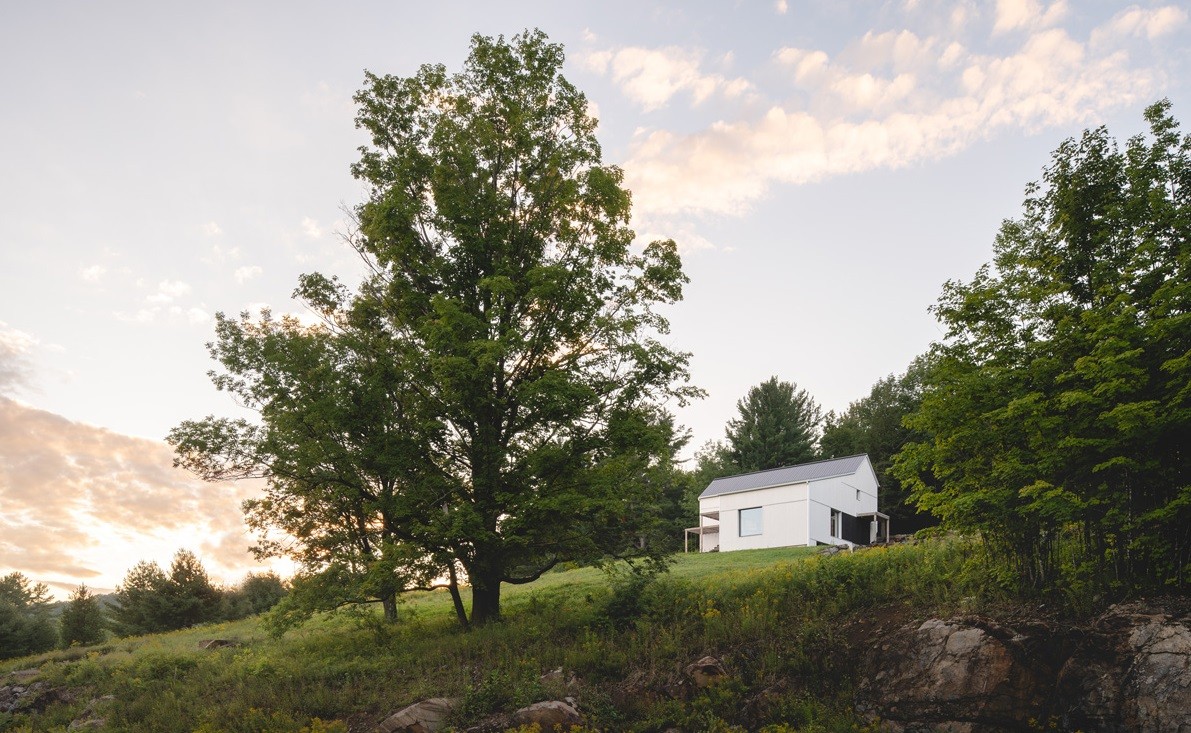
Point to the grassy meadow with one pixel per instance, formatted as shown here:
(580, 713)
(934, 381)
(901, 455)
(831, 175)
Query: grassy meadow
(782, 621)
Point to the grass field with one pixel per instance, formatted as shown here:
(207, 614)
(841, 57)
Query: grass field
(777, 618)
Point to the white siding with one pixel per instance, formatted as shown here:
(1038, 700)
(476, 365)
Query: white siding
(841, 493)
(783, 517)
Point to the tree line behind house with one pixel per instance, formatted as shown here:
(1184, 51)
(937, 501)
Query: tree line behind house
(150, 600)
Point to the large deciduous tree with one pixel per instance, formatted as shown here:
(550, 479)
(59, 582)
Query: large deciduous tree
(1062, 396)
(492, 389)
(777, 425)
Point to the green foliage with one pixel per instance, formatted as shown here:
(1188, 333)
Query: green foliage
(82, 621)
(875, 425)
(25, 624)
(256, 594)
(1059, 407)
(778, 425)
(149, 601)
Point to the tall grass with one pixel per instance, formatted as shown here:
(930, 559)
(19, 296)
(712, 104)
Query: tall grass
(779, 619)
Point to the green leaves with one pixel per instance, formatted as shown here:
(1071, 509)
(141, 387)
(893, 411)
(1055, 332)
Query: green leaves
(1060, 398)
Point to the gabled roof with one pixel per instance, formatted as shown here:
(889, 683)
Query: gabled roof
(803, 472)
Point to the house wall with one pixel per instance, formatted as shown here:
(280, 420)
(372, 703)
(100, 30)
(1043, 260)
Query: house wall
(783, 517)
(840, 493)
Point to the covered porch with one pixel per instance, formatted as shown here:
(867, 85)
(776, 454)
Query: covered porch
(708, 533)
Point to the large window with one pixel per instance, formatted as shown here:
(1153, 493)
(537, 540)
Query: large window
(750, 522)
(837, 529)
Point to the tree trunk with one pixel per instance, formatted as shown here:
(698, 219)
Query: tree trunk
(389, 603)
(456, 598)
(485, 598)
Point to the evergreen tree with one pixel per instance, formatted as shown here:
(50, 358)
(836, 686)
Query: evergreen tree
(777, 426)
(82, 620)
(192, 599)
(25, 624)
(142, 606)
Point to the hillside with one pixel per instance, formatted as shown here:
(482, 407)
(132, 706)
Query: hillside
(788, 629)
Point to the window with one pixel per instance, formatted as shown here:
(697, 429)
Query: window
(857, 494)
(750, 522)
(837, 529)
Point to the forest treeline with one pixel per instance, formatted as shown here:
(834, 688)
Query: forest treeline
(149, 600)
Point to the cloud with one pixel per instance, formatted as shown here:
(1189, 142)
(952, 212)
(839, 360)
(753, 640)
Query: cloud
(93, 274)
(311, 228)
(84, 503)
(244, 274)
(211, 229)
(888, 100)
(1137, 22)
(15, 369)
(652, 77)
(219, 255)
(1027, 14)
(781, 7)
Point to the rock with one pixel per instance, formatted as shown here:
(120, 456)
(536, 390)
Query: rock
(1132, 672)
(24, 674)
(705, 672)
(217, 643)
(548, 715)
(954, 676)
(426, 716)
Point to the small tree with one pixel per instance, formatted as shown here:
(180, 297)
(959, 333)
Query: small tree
(82, 621)
(777, 426)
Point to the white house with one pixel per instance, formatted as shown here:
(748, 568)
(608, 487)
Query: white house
(831, 502)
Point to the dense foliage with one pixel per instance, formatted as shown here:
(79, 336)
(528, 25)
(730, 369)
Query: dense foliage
(1059, 406)
(82, 620)
(25, 623)
(150, 601)
(875, 425)
(489, 399)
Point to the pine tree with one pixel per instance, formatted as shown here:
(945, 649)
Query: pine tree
(82, 620)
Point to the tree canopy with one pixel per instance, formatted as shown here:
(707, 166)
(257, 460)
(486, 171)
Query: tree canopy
(1061, 398)
(875, 425)
(25, 624)
(490, 396)
(777, 425)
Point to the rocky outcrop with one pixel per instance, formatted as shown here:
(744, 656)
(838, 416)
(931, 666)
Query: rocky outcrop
(1130, 671)
(705, 672)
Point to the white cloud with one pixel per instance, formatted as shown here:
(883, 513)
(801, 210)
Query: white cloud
(15, 369)
(197, 315)
(781, 7)
(173, 288)
(652, 77)
(1135, 21)
(1027, 14)
(218, 254)
(211, 229)
(244, 274)
(886, 101)
(311, 228)
(93, 274)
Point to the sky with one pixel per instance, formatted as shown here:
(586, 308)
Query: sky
(824, 167)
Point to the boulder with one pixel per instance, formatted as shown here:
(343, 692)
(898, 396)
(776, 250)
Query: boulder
(217, 643)
(549, 715)
(705, 672)
(426, 716)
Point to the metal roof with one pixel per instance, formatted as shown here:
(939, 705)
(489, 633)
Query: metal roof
(786, 475)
